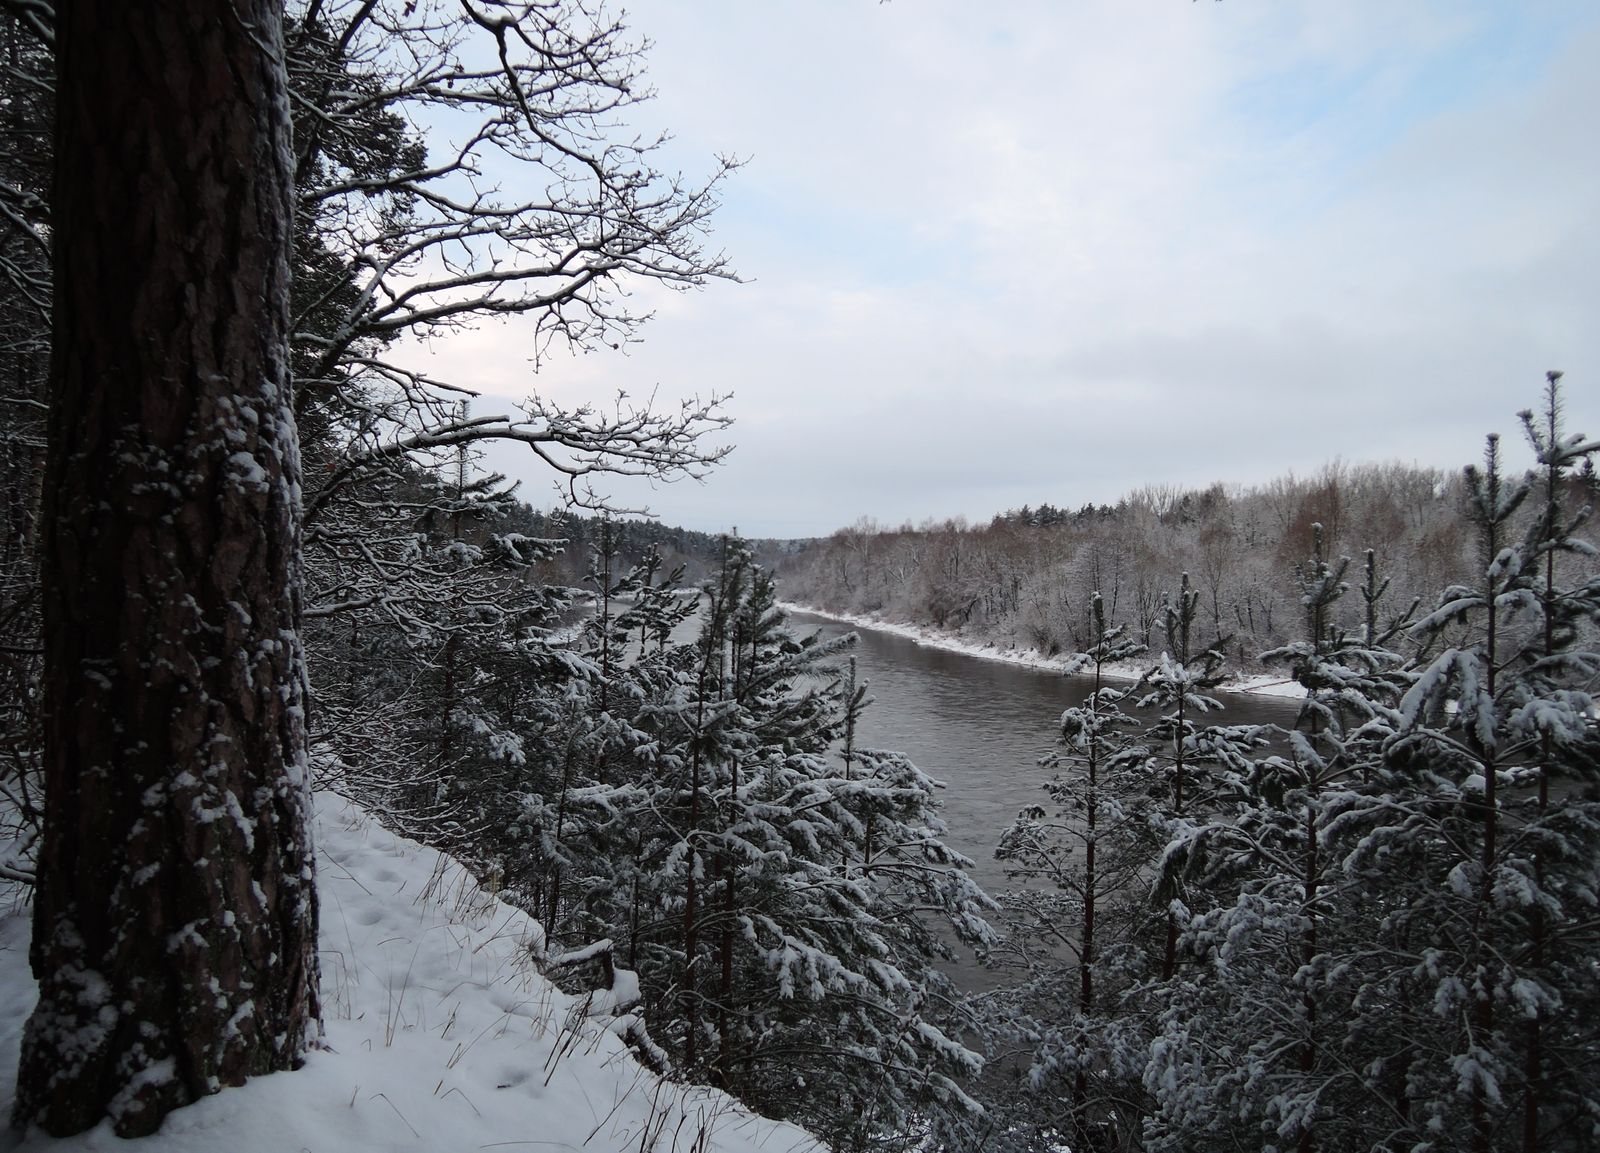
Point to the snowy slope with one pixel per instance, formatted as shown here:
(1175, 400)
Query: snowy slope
(442, 1036)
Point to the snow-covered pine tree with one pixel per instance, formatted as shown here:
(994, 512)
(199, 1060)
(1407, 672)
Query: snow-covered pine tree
(1194, 773)
(1487, 890)
(1188, 763)
(779, 955)
(594, 728)
(599, 809)
(1252, 1049)
(1452, 727)
(660, 604)
(853, 702)
(1562, 658)
(1081, 863)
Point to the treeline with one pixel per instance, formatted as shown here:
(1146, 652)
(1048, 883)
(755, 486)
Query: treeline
(1027, 578)
(631, 538)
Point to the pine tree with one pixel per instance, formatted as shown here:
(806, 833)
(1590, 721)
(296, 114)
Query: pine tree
(1484, 863)
(1558, 660)
(1188, 763)
(659, 606)
(1080, 862)
(779, 905)
(1256, 1044)
(1465, 749)
(175, 923)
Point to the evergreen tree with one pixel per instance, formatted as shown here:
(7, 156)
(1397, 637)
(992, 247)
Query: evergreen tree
(778, 907)
(1189, 764)
(1478, 840)
(1563, 656)
(1254, 1047)
(1081, 861)
(175, 924)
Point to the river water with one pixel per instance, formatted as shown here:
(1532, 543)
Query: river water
(980, 726)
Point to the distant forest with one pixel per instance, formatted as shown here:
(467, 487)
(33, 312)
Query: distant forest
(631, 538)
(1027, 578)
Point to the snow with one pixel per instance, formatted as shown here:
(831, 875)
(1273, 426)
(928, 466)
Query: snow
(441, 1034)
(247, 474)
(1261, 684)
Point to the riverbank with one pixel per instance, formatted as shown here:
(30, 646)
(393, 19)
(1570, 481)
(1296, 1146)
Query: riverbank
(1260, 684)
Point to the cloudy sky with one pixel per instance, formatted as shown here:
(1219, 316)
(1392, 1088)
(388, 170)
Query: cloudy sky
(1055, 250)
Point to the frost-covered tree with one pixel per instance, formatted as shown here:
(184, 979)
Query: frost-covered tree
(1563, 657)
(589, 788)
(1452, 727)
(1189, 764)
(660, 604)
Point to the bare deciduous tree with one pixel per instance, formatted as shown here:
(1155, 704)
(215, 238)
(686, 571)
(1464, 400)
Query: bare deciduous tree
(530, 198)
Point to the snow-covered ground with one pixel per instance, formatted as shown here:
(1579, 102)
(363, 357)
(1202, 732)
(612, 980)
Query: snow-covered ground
(442, 1035)
(1261, 684)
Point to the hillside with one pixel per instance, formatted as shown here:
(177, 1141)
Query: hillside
(441, 1034)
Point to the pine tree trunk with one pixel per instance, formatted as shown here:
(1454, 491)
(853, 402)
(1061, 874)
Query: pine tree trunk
(691, 943)
(175, 922)
(1533, 1064)
(447, 706)
(1169, 959)
(1310, 865)
(691, 888)
(1483, 1007)
(1080, 1081)
(1311, 868)
(730, 869)
(725, 992)
(553, 907)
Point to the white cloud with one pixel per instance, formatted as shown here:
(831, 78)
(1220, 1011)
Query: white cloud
(1045, 251)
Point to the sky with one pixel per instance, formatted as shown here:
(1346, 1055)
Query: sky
(1055, 250)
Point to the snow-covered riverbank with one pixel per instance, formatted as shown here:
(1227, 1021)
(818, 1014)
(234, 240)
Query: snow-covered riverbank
(1260, 684)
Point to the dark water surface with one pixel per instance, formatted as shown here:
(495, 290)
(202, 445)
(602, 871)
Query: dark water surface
(980, 726)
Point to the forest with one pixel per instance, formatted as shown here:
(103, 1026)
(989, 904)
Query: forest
(1373, 930)
(1026, 579)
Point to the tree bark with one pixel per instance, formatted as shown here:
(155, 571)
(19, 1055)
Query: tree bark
(175, 923)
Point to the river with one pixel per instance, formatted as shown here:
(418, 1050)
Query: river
(980, 726)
